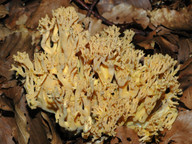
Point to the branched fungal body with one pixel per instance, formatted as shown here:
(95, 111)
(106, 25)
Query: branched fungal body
(95, 83)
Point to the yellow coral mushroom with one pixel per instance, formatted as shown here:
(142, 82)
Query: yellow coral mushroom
(95, 83)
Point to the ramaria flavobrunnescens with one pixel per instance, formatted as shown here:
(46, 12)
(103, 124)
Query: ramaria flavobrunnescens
(95, 83)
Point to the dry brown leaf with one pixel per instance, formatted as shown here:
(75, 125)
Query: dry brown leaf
(45, 7)
(138, 38)
(115, 140)
(185, 75)
(3, 11)
(17, 8)
(35, 124)
(2, 79)
(125, 13)
(5, 66)
(79, 141)
(181, 130)
(107, 5)
(127, 135)
(55, 139)
(8, 84)
(186, 64)
(5, 104)
(93, 25)
(7, 125)
(187, 97)
(13, 93)
(21, 120)
(178, 20)
(4, 32)
(166, 47)
(19, 41)
(32, 123)
(147, 44)
(185, 50)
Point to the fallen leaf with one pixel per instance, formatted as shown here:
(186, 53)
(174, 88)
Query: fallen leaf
(187, 97)
(8, 84)
(32, 126)
(7, 125)
(36, 129)
(106, 5)
(185, 50)
(181, 130)
(125, 13)
(186, 64)
(21, 120)
(127, 135)
(55, 139)
(3, 11)
(93, 25)
(166, 47)
(5, 104)
(18, 41)
(115, 140)
(173, 19)
(13, 93)
(185, 75)
(45, 7)
(5, 66)
(4, 32)
(17, 8)
(2, 79)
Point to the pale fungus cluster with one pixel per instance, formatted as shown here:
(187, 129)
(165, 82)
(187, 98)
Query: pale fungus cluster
(95, 83)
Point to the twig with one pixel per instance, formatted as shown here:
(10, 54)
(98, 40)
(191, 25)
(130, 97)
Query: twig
(92, 6)
(104, 20)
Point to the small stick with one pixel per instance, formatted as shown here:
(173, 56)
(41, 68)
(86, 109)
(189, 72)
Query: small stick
(104, 20)
(91, 8)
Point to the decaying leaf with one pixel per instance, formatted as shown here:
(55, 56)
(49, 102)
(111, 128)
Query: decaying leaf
(4, 69)
(45, 7)
(32, 122)
(93, 25)
(125, 13)
(3, 11)
(185, 75)
(185, 50)
(187, 97)
(23, 134)
(18, 41)
(7, 126)
(166, 47)
(35, 123)
(5, 104)
(8, 84)
(55, 139)
(13, 93)
(180, 20)
(127, 135)
(17, 9)
(4, 32)
(107, 5)
(181, 130)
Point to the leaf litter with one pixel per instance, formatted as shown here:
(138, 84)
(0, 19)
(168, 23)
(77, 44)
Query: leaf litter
(158, 34)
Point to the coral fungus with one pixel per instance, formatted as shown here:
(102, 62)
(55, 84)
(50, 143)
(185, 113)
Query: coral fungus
(95, 83)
